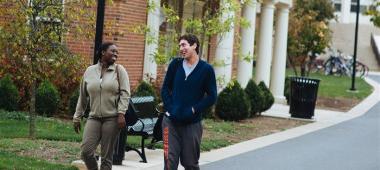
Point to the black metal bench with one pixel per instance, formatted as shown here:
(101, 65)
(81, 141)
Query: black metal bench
(147, 117)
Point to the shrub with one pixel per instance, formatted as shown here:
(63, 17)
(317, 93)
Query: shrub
(61, 67)
(232, 103)
(287, 89)
(9, 95)
(73, 104)
(14, 115)
(268, 97)
(73, 101)
(47, 99)
(209, 113)
(255, 97)
(68, 71)
(145, 89)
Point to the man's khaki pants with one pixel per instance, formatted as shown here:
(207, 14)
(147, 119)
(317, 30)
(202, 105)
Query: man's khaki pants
(103, 131)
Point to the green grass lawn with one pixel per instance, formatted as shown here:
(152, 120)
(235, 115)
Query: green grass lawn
(50, 129)
(338, 86)
(13, 161)
(52, 151)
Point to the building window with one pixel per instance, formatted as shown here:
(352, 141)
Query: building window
(362, 9)
(338, 7)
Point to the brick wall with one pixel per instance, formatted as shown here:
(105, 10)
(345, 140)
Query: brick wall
(119, 16)
(131, 45)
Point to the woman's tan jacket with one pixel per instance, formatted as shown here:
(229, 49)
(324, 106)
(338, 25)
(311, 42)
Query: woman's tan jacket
(103, 93)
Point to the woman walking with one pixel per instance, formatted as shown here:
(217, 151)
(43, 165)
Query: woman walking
(105, 87)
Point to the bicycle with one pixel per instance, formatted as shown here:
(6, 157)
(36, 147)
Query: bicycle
(335, 65)
(338, 64)
(361, 69)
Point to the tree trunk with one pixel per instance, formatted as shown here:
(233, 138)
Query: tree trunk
(32, 110)
(32, 104)
(303, 66)
(310, 63)
(291, 63)
(303, 69)
(201, 45)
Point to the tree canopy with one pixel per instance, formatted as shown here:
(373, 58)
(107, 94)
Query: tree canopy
(374, 13)
(309, 33)
(32, 42)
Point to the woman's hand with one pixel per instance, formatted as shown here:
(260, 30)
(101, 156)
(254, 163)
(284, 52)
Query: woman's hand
(121, 120)
(77, 127)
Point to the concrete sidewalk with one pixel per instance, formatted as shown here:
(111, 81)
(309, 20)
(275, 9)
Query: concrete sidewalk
(322, 119)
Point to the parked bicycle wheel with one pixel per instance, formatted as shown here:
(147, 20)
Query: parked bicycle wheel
(328, 67)
(361, 69)
(335, 66)
(332, 67)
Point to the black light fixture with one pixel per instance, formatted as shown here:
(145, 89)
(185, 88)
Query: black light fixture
(99, 28)
(355, 46)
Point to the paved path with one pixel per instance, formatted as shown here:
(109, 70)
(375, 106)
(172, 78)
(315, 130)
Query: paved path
(353, 144)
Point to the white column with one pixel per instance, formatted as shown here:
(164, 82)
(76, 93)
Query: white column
(224, 52)
(153, 23)
(244, 70)
(279, 55)
(345, 11)
(264, 56)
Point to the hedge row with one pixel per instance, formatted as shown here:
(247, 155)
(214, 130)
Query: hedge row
(236, 104)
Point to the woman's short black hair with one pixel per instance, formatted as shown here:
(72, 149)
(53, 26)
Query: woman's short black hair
(191, 39)
(103, 47)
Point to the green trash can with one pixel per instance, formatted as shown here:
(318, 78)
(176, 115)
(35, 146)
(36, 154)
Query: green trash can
(303, 97)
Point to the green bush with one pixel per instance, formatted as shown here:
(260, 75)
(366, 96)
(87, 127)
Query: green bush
(73, 101)
(145, 89)
(232, 103)
(255, 96)
(73, 104)
(47, 99)
(14, 115)
(287, 89)
(209, 113)
(9, 95)
(268, 97)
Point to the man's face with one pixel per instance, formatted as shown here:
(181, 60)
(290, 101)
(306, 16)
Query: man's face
(186, 50)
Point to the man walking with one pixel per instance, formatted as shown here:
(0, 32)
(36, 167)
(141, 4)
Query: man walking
(188, 89)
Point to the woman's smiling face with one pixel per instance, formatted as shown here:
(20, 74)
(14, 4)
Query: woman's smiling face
(110, 55)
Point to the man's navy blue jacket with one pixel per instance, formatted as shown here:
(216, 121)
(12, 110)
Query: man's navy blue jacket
(179, 93)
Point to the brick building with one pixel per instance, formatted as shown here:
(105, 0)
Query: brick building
(271, 41)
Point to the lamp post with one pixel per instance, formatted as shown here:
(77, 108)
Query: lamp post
(99, 27)
(355, 46)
